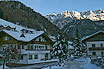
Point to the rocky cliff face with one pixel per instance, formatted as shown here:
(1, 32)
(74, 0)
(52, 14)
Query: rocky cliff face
(65, 17)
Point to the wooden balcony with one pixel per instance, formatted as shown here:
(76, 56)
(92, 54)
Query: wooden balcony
(96, 48)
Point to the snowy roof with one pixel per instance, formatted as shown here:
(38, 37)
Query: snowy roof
(28, 37)
(92, 35)
(18, 27)
(53, 38)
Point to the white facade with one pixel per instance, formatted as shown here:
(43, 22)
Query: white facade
(97, 45)
(38, 53)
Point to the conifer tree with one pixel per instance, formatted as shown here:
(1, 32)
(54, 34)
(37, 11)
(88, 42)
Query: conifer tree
(77, 46)
(60, 49)
(9, 52)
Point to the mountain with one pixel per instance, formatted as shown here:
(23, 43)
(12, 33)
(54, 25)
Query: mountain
(16, 12)
(85, 27)
(62, 19)
(86, 22)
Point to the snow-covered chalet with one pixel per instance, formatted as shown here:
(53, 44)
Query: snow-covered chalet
(33, 46)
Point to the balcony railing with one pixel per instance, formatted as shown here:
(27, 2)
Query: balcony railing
(37, 49)
(96, 48)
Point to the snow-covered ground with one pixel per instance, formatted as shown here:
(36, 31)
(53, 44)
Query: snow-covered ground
(82, 63)
(36, 66)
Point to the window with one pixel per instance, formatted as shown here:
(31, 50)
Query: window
(28, 47)
(30, 57)
(46, 47)
(21, 57)
(19, 47)
(101, 45)
(22, 47)
(35, 47)
(36, 56)
(93, 45)
(6, 38)
(46, 56)
(31, 47)
(93, 53)
(39, 39)
(102, 53)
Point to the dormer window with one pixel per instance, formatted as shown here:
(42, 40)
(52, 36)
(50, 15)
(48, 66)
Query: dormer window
(23, 30)
(1, 27)
(31, 32)
(8, 28)
(6, 38)
(39, 39)
(22, 35)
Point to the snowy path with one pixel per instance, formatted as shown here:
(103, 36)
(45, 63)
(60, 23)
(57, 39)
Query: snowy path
(74, 65)
(77, 64)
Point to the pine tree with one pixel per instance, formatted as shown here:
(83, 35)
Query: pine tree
(60, 48)
(77, 46)
(9, 52)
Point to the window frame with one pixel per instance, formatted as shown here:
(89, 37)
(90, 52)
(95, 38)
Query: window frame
(94, 53)
(35, 56)
(93, 46)
(6, 38)
(30, 57)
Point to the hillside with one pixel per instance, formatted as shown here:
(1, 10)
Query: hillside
(18, 13)
(86, 27)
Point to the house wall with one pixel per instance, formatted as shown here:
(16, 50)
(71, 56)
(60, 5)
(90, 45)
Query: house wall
(97, 45)
(32, 51)
(10, 41)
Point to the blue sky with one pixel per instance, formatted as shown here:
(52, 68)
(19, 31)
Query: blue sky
(45, 7)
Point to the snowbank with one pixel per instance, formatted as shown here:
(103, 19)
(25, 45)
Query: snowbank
(90, 66)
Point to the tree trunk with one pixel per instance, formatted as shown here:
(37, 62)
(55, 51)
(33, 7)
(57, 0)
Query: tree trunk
(4, 65)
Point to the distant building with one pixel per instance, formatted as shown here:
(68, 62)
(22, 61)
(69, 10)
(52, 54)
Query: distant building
(95, 44)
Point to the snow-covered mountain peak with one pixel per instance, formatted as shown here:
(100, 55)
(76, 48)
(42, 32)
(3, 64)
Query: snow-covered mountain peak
(61, 19)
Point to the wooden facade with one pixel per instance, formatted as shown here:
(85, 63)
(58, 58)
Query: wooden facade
(96, 37)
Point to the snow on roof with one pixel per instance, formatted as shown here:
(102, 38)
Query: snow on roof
(53, 38)
(18, 27)
(86, 37)
(71, 47)
(28, 37)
